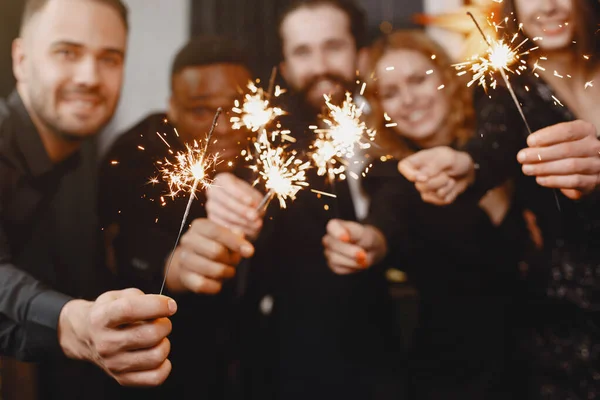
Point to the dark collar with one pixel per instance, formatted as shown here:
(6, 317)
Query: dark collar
(29, 143)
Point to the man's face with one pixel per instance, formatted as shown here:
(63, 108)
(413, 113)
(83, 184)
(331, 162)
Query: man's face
(197, 94)
(319, 53)
(69, 65)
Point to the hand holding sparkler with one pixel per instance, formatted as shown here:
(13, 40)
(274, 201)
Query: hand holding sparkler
(190, 171)
(232, 202)
(564, 156)
(207, 255)
(352, 247)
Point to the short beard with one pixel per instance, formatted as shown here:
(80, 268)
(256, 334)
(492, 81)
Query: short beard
(347, 86)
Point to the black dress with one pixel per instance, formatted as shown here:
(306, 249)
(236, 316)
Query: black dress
(562, 320)
(464, 269)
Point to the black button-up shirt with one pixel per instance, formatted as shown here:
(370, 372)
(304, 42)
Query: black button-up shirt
(44, 233)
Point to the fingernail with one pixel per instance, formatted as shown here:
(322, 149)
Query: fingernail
(527, 169)
(172, 306)
(345, 238)
(361, 258)
(522, 156)
(247, 250)
(251, 215)
(422, 178)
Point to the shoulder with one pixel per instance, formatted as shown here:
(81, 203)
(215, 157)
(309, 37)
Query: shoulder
(382, 174)
(140, 142)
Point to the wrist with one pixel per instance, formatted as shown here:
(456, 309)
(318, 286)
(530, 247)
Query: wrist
(469, 166)
(73, 334)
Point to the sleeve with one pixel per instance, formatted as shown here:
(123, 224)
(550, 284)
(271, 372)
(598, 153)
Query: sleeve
(500, 135)
(136, 234)
(414, 229)
(29, 312)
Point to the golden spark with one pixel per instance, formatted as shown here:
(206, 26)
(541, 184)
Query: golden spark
(186, 174)
(345, 132)
(189, 171)
(282, 173)
(256, 112)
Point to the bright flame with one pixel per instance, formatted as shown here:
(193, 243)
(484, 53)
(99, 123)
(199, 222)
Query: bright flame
(255, 112)
(345, 132)
(283, 174)
(500, 56)
(189, 171)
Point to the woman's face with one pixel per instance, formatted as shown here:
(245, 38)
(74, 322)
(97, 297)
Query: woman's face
(551, 20)
(408, 86)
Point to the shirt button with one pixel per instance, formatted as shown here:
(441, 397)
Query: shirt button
(266, 305)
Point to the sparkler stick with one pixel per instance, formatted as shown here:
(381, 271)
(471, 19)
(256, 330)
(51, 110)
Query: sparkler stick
(500, 63)
(500, 68)
(272, 84)
(192, 194)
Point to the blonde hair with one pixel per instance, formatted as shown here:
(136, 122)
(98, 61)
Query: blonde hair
(461, 118)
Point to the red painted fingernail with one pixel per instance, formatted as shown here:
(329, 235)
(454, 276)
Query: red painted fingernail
(361, 258)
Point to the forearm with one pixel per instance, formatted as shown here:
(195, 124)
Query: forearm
(31, 313)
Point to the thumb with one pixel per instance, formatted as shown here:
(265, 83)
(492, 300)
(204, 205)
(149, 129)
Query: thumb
(346, 231)
(424, 164)
(337, 229)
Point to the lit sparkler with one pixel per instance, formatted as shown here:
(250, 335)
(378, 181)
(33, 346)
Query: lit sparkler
(499, 57)
(256, 111)
(282, 173)
(187, 174)
(345, 132)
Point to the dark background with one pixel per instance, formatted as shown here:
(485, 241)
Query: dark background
(252, 22)
(10, 15)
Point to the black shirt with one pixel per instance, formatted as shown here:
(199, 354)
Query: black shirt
(147, 222)
(47, 249)
(327, 335)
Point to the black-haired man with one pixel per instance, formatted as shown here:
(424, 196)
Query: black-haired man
(141, 222)
(312, 332)
(69, 72)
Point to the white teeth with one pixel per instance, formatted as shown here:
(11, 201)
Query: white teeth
(83, 104)
(416, 116)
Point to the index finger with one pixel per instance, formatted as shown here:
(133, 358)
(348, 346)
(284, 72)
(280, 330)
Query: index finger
(236, 188)
(130, 309)
(232, 240)
(561, 133)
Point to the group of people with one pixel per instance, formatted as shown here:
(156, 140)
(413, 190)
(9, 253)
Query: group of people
(496, 229)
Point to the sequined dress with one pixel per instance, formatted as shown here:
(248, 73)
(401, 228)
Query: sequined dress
(561, 312)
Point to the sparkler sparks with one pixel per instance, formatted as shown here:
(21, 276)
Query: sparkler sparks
(189, 172)
(345, 132)
(283, 174)
(500, 56)
(256, 111)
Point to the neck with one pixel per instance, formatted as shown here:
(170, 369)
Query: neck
(563, 62)
(57, 147)
(441, 138)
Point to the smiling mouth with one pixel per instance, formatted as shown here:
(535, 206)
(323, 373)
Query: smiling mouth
(415, 116)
